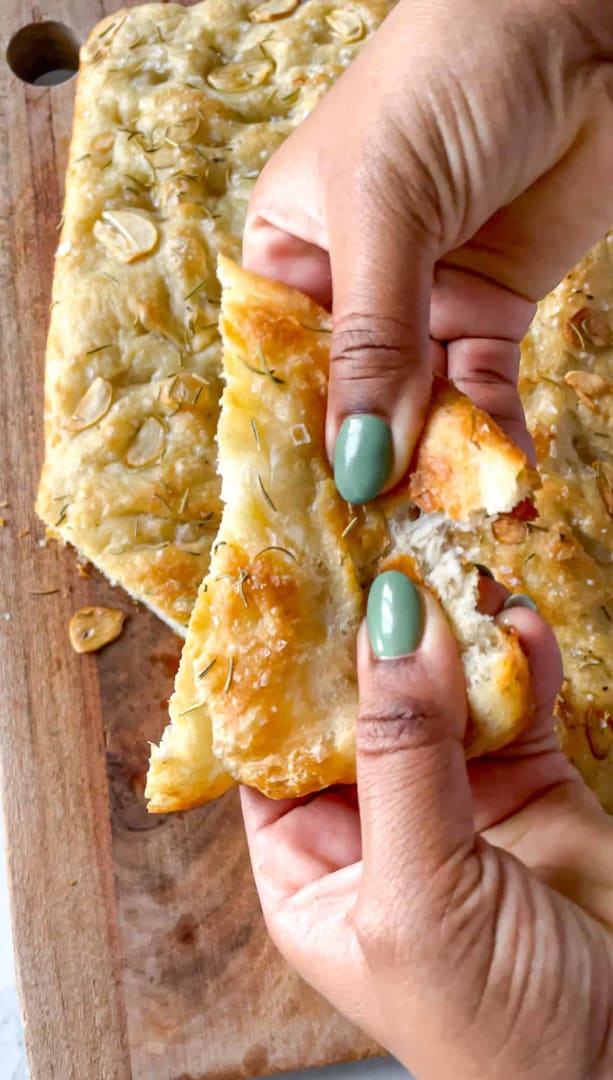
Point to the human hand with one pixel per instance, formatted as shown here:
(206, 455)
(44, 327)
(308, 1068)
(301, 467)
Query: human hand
(447, 181)
(464, 916)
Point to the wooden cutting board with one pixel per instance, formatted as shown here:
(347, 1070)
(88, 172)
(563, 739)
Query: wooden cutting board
(141, 951)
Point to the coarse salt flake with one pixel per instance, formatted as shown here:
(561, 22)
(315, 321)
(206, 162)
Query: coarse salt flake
(300, 435)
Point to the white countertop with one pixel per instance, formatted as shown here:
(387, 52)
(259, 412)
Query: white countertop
(13, 1064)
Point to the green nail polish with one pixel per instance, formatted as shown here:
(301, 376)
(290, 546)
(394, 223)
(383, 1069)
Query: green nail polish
(519, 600)
(362, 457)
(394, 615)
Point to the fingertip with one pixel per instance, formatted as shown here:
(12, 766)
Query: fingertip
(282, 256)
(540, 646)
(391, 410)
(404, 645)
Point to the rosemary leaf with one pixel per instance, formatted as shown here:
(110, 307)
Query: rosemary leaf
(230, 675)
(209, 667)
(256, 433)
(265, 493)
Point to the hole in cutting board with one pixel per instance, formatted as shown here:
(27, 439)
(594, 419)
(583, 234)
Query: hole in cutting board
(44, 53)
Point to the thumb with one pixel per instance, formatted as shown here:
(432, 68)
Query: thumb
(413, 789)
(380, 358)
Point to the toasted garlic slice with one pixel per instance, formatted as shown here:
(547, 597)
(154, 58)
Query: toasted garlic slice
(126, 234)
(149, 444)
(241, 76)
(186, 388)
(347, 25)
(272, 9)
(92, 627)
(94, 404)
(605, 483)
(586, 385)
(507, 530)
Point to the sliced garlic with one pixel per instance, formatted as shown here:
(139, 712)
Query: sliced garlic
(102, 147)
(605, 483)
(184, 129)
(241, 76)
(347, 25)
(588, 327)
(185, 389)
(586, 385)
(272, 9)
(94, 404)
(164, 156)
(598, 732)
(92, 627)
(148, 445)
(126, 234)
(507, 530)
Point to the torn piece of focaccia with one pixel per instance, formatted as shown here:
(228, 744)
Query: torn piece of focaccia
(177, 110)
(564, 559)
(267, 679)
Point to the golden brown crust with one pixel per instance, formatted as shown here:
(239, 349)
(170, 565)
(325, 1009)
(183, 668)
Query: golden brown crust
(464, 463)
(563, 559)
(272, 634)
(177, 110)
(270, 648)
(500, 706)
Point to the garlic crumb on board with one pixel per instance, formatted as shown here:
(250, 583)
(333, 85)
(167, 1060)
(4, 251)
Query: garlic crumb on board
(92, 627)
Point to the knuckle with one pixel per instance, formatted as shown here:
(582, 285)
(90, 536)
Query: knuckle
(407, 726)
(368, 347)
(377, 934)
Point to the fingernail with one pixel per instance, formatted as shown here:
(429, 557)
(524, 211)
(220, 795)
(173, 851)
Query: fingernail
(519, 600)
(394, 615)
(362, 457)
(484, 571)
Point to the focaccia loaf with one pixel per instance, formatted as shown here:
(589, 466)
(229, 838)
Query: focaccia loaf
(564, 559)
(266, 693)
(177, 111)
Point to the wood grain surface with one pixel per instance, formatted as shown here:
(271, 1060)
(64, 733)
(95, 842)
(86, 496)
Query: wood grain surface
(140, 948)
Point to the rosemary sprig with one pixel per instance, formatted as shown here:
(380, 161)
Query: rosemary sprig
(349, 526)
(240, 585)
(183, 502)
(62, 514)
(276, 547)
(196, 289)
(113, 26)
(230, 676)
(156, 495)
(256, 433)
(265, 493)
(575, 328)
(209, 667)
(267, 371)
(98, 348)
(192, 708)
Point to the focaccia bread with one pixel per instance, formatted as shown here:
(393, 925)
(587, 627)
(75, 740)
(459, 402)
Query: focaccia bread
(564, 559)
(177, 111)
(266, 693)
